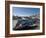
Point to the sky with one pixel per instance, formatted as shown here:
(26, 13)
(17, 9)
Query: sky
(21, 11)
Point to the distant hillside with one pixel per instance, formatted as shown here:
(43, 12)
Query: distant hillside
(29, 17)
